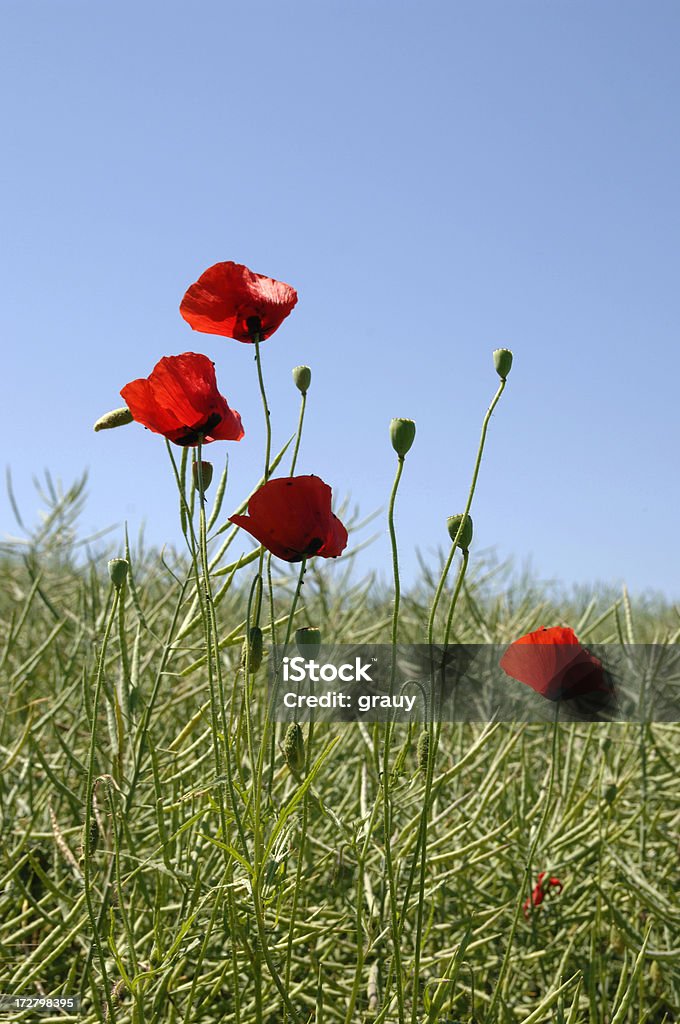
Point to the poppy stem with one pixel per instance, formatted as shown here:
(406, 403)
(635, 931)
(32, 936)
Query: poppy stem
(463, 518)
(298, 436)
(387, 805)
(296, 597)
(89, 796)
(433, 728)
(454, 598)
(267, 419)
(212, 649)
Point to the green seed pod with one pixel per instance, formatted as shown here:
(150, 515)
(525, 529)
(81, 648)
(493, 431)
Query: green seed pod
(294, 748)
(115, 418)
(302, 378)
(402, 434)
(502, 360)
(203, 476)
(308, 641)
(90, 840)
(93, 838)
(118, 570)
(423, 750)
(251, 652)
(453, 525)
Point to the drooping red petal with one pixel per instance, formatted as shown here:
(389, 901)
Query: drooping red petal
(140, 399)
(228, 298)
(180, 400)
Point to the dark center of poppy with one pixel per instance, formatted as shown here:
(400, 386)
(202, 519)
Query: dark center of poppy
(313, 546)
(193, 433)
(254, 325)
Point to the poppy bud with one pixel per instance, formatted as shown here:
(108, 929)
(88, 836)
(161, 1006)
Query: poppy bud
(294, 747)
(302, 378)
(202, 476)
(251, 652)
(402, 433)
(308, 641)
(502, 360)
(118, 570)
(453, 525)
(115, 418)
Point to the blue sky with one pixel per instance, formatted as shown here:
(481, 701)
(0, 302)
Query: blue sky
(437, 180)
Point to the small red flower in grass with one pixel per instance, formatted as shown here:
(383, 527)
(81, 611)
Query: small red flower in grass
(291, 516)
(553, 662)
(179, 399)
(539, 891)
(230, 300)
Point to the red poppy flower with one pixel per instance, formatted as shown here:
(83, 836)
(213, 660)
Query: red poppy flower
(553, 662)
(291, 516)
(180, 400)
(539, 891)
(230, 300)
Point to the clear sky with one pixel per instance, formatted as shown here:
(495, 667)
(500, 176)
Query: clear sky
(436, 179)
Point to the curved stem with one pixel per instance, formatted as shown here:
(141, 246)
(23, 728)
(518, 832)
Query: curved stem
(298, 437)
(434, 731)
(454, 598)
(267, 418)
(473, 485)
(387, 806)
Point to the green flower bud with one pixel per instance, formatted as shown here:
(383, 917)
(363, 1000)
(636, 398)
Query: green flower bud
(402, 433)
(302, 378)
(453, 525)
(294, 748)
(115, 418)
(251, 652)
(308, 641)
(203, 476)
(502, 360)
(118, 570)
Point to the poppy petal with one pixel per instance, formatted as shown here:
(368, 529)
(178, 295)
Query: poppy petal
(230, 300)
(292, 518)
(179, 399)
(553, 662)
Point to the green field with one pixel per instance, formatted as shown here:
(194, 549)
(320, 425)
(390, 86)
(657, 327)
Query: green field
(218, 884)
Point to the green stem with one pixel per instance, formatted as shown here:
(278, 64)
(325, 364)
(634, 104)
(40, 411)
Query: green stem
(473, 485)
(89, 791)
(298, 436)
(265, 406)
(218, 699)
(454, 598)
(387, 806)
(421, 844)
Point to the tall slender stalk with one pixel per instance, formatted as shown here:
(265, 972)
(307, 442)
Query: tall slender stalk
(435, 729)
(89, 796)
(387, 805)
